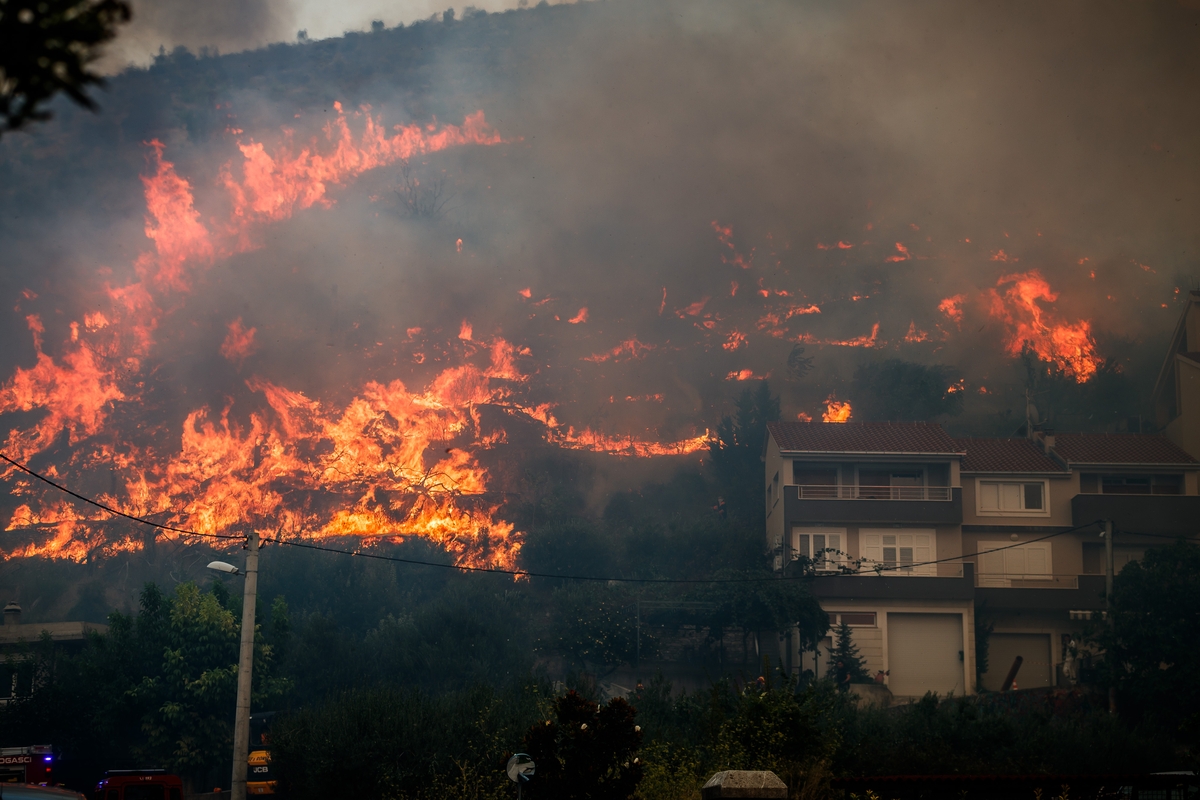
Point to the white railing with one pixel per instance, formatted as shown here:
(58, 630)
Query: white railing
(874, 492)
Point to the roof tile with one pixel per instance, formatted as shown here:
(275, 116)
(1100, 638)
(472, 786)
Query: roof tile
(862, 437)
(1006, 455)
(1119, 448)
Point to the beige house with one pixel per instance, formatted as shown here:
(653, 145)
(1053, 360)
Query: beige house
(1177, 391)
(911, 534)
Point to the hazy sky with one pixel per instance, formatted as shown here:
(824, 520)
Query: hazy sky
(233, 25)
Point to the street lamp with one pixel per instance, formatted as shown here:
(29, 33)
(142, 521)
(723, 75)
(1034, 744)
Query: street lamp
(241, 725)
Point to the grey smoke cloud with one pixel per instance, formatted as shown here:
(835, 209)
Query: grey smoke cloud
(223, 25)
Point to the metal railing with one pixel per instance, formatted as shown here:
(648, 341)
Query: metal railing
(826, 492)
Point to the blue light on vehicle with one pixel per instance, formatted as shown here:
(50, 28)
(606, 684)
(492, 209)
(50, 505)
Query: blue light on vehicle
(47, 758)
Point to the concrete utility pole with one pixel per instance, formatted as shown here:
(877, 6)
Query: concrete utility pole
(1108, 591)
(241, 729)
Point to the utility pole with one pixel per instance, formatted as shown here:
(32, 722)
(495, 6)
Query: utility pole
(241, 729)
(1108, 592)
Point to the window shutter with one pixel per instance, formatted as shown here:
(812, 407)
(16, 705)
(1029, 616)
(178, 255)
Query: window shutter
(1037, 558)
(872, 549)
(989, 496)
(1010, 497)
(834, 541)
(923, 552)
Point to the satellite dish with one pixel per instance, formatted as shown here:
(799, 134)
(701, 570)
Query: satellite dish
(1032, 412)
(520, 768)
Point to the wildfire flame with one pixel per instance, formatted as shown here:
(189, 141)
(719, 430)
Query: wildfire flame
(392, 462)
(1068, 345)
(836, 410)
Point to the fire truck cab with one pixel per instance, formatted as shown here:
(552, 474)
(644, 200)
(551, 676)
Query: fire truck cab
(32, 764)
(139, 784)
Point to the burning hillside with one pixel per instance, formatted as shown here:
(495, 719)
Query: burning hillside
(316, 317)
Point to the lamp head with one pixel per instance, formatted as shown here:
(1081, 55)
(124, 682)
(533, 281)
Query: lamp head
(221, 566)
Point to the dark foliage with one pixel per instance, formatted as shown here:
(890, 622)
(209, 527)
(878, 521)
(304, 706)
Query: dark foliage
(403, 743)
(903, 391)
(1152, 644)
(846, 651)
(736, 452)
(588, 751)
(46, 47)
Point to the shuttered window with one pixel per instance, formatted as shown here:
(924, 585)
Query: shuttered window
(1008, 563)
(1012, 497)
(823, 548)
(899, 552)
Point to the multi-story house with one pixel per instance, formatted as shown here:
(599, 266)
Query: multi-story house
(1177, 391)
(918, 539)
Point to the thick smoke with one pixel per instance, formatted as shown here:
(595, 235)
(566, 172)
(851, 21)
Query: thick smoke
(221, 25)
(714, 182)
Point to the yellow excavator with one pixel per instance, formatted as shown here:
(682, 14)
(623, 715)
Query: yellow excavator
(260, 777)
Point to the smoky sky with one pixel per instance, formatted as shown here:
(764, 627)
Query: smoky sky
(944, 145)
(222, 25)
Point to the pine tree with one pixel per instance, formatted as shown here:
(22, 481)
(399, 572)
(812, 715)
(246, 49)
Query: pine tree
(846, 651)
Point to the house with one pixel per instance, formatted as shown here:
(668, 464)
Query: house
(886, 501)
(923, 543)
(16, 673)
(1177, 390)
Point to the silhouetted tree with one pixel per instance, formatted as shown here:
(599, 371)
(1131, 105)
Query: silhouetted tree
(587, 751)
(46, 47)
(903, 391)
(736, 452)
(846, 651)
(1151, 646)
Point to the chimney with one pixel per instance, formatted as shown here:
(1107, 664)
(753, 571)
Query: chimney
(1047, 442)
(12, 613)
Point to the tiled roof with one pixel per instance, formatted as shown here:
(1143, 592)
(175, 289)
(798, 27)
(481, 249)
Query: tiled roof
(862, 437)
(1119, 448)
(1005, 455)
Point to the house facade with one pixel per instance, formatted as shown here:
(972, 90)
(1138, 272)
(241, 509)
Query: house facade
(1177, 390)
(923, 543)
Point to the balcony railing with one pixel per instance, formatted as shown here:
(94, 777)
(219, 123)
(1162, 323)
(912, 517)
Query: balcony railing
(826, 492)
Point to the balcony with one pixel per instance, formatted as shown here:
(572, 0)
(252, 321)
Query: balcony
(943, 493)
(1058, 594)
(1166, 514)
(953, 581)
(887, 505)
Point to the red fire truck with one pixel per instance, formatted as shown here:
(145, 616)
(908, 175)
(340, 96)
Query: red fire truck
(32, 764)
(139, 784)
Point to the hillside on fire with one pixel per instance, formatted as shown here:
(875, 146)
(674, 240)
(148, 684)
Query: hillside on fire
(578, 365)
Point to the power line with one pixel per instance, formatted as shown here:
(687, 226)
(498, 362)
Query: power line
(114, 511)
(520, 573)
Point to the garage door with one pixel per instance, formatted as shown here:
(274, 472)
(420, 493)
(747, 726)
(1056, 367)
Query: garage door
(925, 654)
(1003, 648)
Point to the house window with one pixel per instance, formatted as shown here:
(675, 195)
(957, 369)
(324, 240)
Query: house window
(898, 552)
(855, 619)
(822, 548)
(1000, 563)
(1012, 497)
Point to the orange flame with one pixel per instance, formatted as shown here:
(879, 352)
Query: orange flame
(952, 308)
(914, 336)
(239, 343)
(1069, 346)
(866, 340)
(836, 410)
